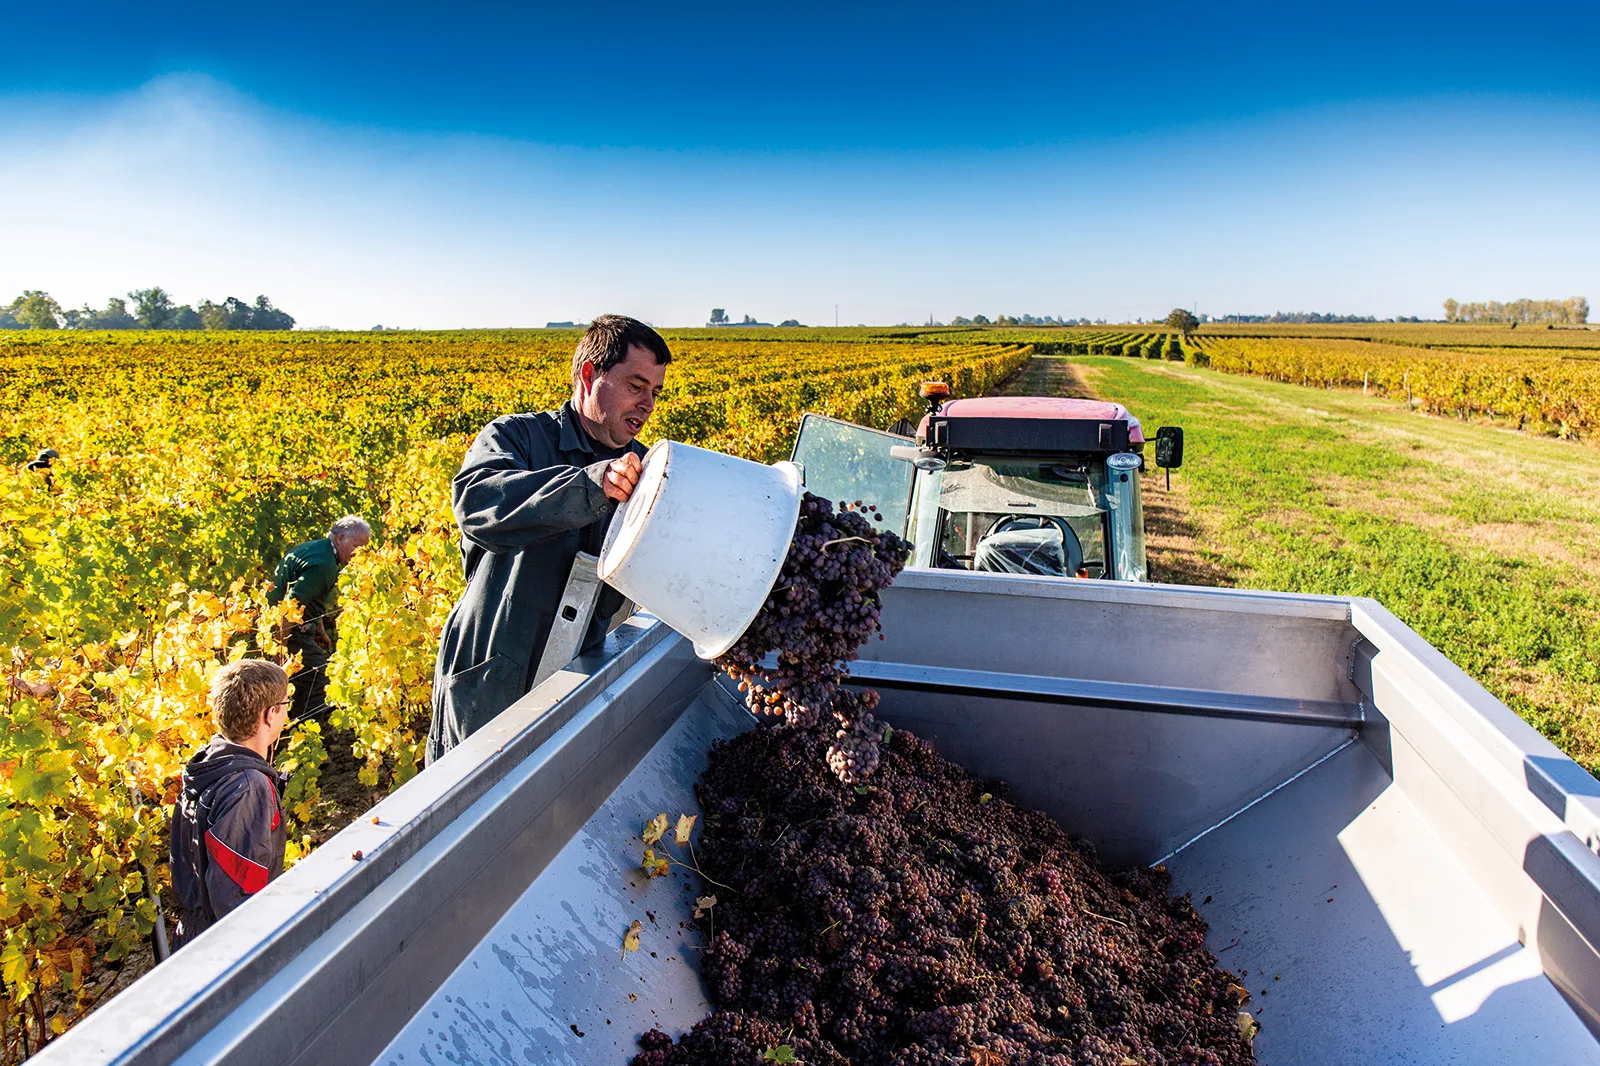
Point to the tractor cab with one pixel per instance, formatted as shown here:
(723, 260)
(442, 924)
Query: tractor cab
(1032, 485)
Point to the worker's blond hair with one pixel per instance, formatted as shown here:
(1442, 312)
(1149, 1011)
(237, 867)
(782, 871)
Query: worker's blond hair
(241, 691)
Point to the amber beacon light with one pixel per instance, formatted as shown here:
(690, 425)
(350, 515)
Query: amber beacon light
(935, 393)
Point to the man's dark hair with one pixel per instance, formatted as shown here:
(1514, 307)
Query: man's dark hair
(607, 340)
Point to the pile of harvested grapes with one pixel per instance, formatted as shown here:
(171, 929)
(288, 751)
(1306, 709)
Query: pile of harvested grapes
(922, 919)
(876, 904)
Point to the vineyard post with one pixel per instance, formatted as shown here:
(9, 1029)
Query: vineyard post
(161, 948)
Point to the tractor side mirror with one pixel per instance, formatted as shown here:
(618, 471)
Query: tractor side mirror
(1169, 447)
(925, 460)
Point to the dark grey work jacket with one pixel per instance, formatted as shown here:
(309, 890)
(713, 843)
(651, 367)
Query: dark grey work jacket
(227, 832)
(528, 499)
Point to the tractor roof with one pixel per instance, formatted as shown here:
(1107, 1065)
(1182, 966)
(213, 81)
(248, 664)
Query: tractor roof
(1031, 423)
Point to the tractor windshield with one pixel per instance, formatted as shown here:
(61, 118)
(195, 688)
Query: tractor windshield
(1022, 516)
(849, 462)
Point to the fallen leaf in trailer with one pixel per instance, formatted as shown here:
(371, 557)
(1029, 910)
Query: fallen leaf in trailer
(684, 827)
(658, 825)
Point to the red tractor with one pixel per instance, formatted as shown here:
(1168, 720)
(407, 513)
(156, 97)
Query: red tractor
(1027, 485)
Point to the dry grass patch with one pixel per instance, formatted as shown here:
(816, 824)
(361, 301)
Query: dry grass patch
(1571, 544)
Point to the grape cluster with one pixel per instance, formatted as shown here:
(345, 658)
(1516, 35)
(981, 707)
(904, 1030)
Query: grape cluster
(727, 1037)
(824, 605)
(924, 920)
(853, 755)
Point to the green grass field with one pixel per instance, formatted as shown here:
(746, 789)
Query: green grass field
(1485, 540)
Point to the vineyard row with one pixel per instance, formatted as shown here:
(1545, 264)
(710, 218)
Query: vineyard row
(189, 464)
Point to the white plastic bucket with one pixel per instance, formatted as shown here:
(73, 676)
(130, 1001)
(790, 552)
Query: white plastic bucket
(700, 542)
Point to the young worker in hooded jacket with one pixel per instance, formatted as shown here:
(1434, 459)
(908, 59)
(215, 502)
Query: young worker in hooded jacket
(533, 491)
(227, 831)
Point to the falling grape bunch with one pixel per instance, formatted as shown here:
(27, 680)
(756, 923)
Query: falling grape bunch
(823, 607)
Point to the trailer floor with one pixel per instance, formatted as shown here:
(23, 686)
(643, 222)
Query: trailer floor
(1362, 940)
(1359, 937)
(554, 985)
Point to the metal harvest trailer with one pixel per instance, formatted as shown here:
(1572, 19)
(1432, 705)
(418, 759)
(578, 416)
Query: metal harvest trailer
(1403, 868)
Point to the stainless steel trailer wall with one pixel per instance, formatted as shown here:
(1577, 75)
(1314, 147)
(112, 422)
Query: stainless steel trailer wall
(1404, 868)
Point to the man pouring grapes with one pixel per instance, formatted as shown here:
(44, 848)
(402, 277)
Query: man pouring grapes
(533, 491)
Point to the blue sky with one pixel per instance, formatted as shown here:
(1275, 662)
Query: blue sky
(498, 165)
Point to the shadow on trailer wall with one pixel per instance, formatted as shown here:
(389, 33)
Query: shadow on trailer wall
(1400, 867)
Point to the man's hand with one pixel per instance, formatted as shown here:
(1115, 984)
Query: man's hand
(621, 477)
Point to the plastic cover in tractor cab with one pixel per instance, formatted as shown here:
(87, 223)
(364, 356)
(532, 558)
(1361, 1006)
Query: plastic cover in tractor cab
(1020, 488)
(1044, 552)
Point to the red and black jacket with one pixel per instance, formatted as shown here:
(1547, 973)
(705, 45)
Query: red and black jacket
(228, 834)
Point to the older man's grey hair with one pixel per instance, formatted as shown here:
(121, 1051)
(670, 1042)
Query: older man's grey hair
(349, 526)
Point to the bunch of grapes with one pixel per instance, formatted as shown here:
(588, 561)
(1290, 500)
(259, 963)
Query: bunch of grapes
(924, 920)
(823, 607)
(853, 755)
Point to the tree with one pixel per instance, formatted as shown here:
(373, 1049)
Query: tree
(980, 320)
(719, 316)
(115, 316)
(265, 316)
(234, 313)
(1183, 320)
(215, 316)
(1574, 311)
(184, 318)
(36, 310)
(154, 307)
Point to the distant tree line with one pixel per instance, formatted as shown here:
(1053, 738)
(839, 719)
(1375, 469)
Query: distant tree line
(1017, 320)
(151, 309)
(1573, 312)
(1300, 318)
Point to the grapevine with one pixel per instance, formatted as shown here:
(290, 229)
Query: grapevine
(189, 463)
(1557, 393)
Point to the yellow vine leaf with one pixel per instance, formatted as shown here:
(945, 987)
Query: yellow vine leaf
(681, 832)
(655, 828)
(654, 865)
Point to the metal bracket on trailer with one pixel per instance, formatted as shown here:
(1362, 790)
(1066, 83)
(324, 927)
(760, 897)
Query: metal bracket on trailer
(572, 616)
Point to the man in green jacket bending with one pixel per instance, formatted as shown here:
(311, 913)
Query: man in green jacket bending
(309, 575)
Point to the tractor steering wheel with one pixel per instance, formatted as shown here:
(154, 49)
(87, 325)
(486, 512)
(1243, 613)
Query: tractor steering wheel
(1071, 546)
